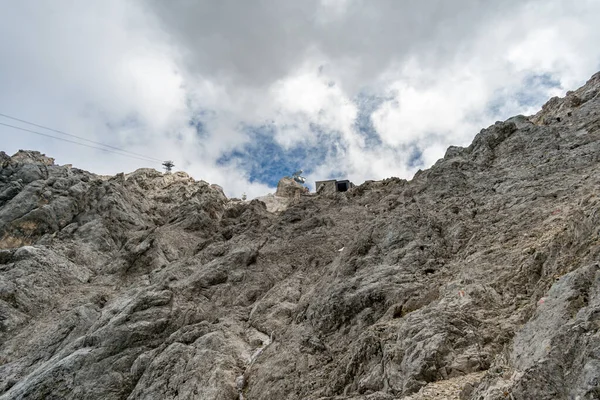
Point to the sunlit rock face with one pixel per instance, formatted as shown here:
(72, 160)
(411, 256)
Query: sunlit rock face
(288, 187)
(478, 279)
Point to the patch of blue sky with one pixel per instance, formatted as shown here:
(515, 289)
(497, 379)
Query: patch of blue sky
(266, 161)
(367, 104)
(533, 92)
(415, 159)
(535, 87)
(544, 80)
(199, 126)
(199, 121)
(364, 126)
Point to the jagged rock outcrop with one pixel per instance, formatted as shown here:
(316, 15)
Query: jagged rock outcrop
(482, 272)
(288, 187)
(288, 192)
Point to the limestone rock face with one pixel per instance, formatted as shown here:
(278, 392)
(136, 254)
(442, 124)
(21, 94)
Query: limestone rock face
(287, 187)
(478, 279)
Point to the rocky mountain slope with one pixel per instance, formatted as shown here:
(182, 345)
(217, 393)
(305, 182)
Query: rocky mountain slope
(477, 279)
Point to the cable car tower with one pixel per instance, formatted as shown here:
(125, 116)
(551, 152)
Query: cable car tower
(168, 165)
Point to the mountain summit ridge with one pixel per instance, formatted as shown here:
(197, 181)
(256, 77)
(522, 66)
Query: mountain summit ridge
(477, 279)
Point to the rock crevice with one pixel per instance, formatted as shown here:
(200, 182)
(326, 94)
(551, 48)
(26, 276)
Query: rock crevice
(477, 279)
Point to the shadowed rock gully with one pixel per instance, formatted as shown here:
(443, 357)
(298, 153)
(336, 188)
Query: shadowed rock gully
(156, 286)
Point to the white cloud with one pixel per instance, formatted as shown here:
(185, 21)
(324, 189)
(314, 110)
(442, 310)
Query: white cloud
(105, 72)
(134, 74)
(330, 10)
(307, 97)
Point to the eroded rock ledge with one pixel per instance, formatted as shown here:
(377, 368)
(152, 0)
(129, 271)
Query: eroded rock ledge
(480, 276)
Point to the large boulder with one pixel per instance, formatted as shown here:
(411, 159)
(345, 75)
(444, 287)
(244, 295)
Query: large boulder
(287, 187)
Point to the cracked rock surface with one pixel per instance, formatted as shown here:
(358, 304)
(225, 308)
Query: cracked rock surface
(478, 279)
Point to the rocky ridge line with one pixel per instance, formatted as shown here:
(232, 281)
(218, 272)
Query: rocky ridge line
(156, 286)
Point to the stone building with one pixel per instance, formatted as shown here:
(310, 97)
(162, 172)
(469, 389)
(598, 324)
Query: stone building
(333, 185)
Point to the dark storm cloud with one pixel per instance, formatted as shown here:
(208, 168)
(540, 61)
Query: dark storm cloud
(256, 42)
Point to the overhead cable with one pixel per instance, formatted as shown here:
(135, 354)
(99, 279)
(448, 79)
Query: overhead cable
(143, 158)
(78, 137)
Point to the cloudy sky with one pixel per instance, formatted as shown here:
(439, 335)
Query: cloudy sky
(240, 93)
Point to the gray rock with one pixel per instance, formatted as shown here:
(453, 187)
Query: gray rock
(151, 286)
(289, 188)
